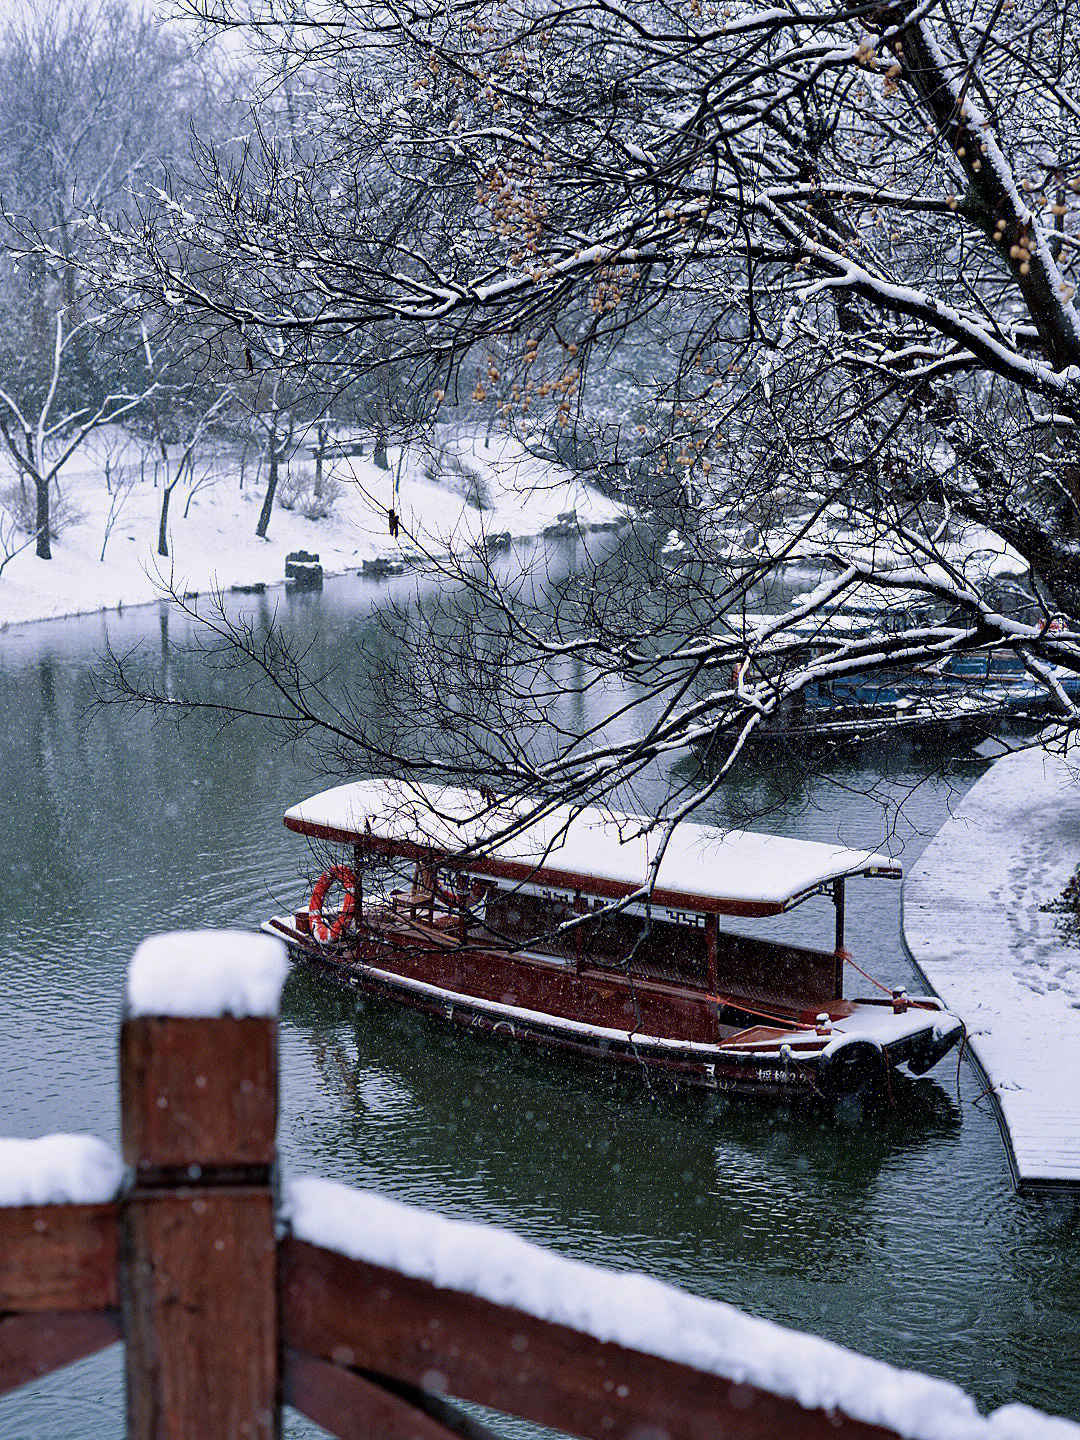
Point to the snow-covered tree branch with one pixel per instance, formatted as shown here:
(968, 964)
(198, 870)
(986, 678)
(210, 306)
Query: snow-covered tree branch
(812, 273)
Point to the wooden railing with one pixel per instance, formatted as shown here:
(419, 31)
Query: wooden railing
(225, 1314)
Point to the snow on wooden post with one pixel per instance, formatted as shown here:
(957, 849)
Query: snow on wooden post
(59, 1253)
(198, 1087)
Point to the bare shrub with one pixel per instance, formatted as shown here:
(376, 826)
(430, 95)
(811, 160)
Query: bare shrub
(21, 505)
(18, 500)
(452, 471)
(314, 496)
(1067, 905)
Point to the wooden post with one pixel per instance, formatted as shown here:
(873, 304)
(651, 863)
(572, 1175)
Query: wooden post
(838, 948)
(712, 946)
(199, 1116)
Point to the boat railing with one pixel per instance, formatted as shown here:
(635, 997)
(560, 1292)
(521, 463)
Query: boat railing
(758, 968)
(372, 1318)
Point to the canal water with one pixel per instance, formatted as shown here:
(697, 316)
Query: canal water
(903, 1239)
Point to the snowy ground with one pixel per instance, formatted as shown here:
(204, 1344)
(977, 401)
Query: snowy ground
(461, 492)
(974, 926)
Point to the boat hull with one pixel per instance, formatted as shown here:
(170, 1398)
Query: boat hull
(693, 1064)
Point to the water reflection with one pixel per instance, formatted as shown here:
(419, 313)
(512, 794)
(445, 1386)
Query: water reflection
(691, 1164)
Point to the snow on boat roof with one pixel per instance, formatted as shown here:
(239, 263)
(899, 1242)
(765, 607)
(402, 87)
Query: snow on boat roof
(597, 852)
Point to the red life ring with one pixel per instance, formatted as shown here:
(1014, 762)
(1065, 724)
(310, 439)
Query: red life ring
(343, 876)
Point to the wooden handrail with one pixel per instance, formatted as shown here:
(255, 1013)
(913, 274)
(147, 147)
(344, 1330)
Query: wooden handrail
(401, 1329)
(224, 1313)
(59, 1257)
(59, 1287)
(34, 1345)
(354, 1406)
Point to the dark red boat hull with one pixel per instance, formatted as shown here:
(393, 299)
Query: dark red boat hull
(532, 1023)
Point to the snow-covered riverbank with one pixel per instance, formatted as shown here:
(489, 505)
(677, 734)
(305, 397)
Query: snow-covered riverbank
(464, 491)
(975, 925)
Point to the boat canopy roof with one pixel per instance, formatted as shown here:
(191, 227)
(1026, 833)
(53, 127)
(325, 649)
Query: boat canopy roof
(588, 851)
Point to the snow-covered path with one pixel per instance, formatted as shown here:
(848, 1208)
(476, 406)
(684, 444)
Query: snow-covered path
(974, 927)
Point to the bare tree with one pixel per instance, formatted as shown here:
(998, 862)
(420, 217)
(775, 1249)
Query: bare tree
(120, 482)
(74, 132)
(183, 408)
(41, 434)
(274, 408)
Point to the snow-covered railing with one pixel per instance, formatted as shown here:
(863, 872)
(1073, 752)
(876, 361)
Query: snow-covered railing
(365, 1314)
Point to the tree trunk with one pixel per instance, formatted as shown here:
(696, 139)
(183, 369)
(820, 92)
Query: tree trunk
(382, 427)
(163, 524)
(320, 451)
(271, 490)
(44, 532)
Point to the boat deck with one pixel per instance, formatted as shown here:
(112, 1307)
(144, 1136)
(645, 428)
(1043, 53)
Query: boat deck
(974, 927)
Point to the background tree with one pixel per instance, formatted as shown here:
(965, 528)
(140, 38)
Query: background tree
(75, 132)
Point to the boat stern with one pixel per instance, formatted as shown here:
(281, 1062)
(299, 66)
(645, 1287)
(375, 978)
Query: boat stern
(915, 1033)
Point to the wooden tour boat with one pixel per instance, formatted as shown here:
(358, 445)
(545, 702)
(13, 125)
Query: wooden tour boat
(516, 935)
